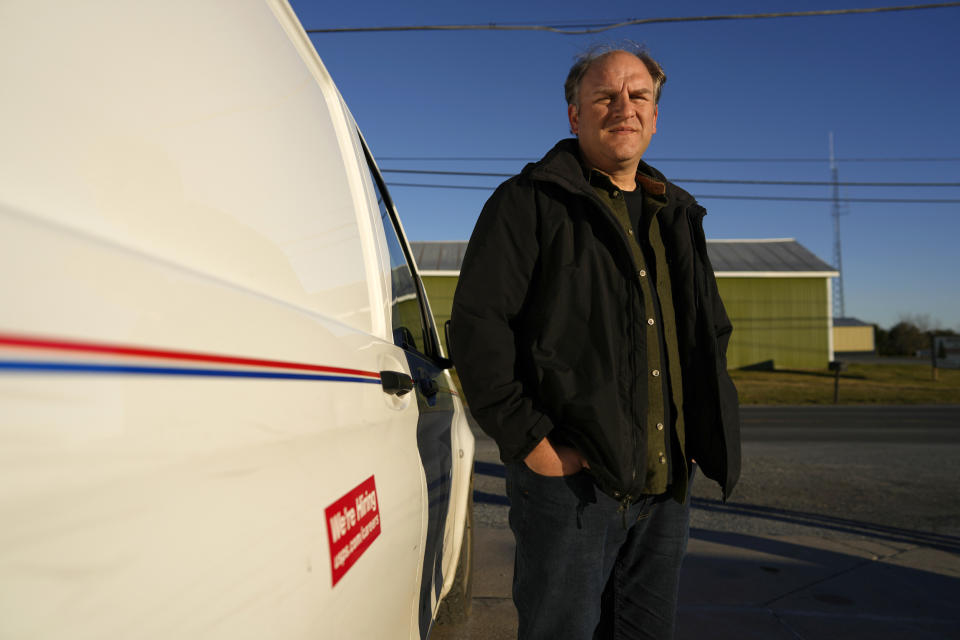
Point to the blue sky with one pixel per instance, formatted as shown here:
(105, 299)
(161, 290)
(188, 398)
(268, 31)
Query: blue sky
(886, 84)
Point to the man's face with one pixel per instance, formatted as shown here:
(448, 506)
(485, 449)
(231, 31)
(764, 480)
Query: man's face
(617, 114)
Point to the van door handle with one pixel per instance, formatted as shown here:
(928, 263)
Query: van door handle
(396, 383)
(428, 386)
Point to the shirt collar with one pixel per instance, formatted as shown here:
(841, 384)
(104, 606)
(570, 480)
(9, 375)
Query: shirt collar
(650, 185)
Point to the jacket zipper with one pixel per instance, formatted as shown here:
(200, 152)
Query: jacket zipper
(626, 498)
(635, 410)
(622, 509)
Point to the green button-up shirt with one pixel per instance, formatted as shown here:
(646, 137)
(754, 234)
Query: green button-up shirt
(666, 460)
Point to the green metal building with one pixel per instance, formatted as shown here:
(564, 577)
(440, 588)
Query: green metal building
(777, 294)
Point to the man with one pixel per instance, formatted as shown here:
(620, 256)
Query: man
(590, 340)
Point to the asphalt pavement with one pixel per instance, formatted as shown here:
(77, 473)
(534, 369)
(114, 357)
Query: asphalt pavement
(843, 527)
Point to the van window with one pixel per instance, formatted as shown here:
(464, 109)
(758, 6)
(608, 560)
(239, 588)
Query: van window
(409, 329)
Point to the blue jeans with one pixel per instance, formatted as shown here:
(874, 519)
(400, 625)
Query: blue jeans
(586, 569)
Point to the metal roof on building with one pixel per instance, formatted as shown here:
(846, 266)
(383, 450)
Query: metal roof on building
(850, 322)
(783, 257)
(780, 256)
(439, 256)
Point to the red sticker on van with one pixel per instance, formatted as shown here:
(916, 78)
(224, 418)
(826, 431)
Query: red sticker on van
(353, 523)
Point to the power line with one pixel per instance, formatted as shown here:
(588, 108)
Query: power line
(439, 186)
(482, 174)
(814, 199)
(672, 159)
(791, 183)
(766, 160)
(593, 28)
(717, 197)
(815, 183)
(458, 158)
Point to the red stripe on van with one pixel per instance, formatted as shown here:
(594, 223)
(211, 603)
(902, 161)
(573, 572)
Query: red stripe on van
(33, 342)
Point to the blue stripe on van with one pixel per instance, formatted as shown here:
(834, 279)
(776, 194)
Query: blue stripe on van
(79, 367)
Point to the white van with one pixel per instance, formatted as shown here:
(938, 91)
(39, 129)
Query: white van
(224, 409)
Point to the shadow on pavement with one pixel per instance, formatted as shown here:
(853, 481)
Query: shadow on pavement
(833, 523)
(494, 469)
(771, 588)
(869, 581)
(941, 542)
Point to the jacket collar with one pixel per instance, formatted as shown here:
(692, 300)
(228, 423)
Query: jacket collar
(562, 166)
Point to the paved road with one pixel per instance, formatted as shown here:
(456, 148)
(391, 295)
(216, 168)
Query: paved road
(835, 488)
(848, 423)
(881, 466)
(888, 466)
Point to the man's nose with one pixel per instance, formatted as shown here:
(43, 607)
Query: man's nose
(621, 104)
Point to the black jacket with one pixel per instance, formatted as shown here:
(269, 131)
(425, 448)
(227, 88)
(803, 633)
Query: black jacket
(547, 326)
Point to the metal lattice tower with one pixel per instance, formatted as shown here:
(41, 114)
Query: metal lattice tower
(838, 210)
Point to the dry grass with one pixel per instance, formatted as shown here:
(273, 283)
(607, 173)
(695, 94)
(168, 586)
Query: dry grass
(859, 384)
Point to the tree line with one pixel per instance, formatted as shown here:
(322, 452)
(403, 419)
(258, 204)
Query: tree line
(910, 335)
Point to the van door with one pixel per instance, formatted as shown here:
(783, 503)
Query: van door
(413, 332)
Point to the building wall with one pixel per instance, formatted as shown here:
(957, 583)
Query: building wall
(780, 319)
(854, 339)
(785, 320)
(440, 295)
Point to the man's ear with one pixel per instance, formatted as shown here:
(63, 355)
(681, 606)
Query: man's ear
(573, 115)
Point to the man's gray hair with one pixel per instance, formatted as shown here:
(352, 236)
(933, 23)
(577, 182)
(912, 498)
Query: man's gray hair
(584, 61)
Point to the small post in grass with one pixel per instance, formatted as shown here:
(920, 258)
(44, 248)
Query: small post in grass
(836, 366)
(933, 355)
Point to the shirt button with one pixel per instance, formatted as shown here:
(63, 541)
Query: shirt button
(615, 194)
(663, 458)
(650, 321)
(655, 372)
(643, 273)
(629, 232)
(659, 426)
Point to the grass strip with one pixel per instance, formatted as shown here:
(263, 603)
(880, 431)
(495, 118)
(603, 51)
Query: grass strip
(861, 383)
